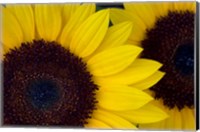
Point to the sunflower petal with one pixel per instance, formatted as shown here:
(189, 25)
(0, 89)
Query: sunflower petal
(161, 8)
(146, 114)
(174, 121)
(154, 126)
(79, 16)
(113, 120)
(183, 6)
(94, 123)
(137, 34)
(121, 98)
(150, 81)
(177, 120)
(48, 21)
(90, 34)
(68, 10)
(2, 51)
(134, 42)
(118, 16)
(193, 7)
(12, 35)
(113, 60)
(144, 11)
(169, 122)
(116, 35)
(188, 119)
(24, 15)
(139, 70)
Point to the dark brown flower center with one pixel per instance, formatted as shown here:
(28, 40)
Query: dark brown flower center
(45, 84)
(171, 42)
(42, 93)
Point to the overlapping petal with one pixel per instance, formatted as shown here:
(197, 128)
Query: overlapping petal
(48, 21)
(78, 17)
(68, 11)
(113, 60)
(119, 15)
(90, 34)
(139, 70)
(12, 35)
(121, 97)
(146, 114)
(113, 120)
(116, 35)
(150, 81)
(25, 17)
(94, 123)
(144, 11)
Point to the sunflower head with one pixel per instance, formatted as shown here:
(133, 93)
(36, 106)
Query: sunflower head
(63, 65)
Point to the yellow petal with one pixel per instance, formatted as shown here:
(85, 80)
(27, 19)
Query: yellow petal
(150, 81)
(177, 120)
(157, 102)
(139, 28)
(139, 70)
(154, 126)
(169, 122)
(121, 98)
(161, 8)
(116, 35)
(48, 21)
(144, 11)
(2, 51)
(3, 48)
(160, 125)
(12, 35)
(183, 6)
(68, 10)
(137, 34)
(113, 120)
(90, 34)
(24, 15)
(193, 7)
(94, 123)
(78, 17)
(119, 15)
(146, 114)
(137, 43)
(113, 60)
(174, 122)
(188, 119)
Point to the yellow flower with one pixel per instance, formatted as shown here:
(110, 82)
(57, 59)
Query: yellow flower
(63, 65)
(166, 32)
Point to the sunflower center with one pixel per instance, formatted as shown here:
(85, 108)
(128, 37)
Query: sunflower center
(171, 42)
(184, 58)
(42, 93)
(45, 84)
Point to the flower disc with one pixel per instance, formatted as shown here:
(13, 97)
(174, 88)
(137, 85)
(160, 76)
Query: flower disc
(45, 84)
(171, 42)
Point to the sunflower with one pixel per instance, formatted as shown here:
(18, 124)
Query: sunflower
(63, 65)
(166, 32)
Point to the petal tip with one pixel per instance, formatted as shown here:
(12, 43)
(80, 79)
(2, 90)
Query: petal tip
(128, 24)
(105, 12)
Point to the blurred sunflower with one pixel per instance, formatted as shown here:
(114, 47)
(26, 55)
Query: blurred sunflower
(63, 65)
(166, 32)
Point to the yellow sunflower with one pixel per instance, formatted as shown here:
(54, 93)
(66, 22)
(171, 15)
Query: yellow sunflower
(166, 32)
(63, 65)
